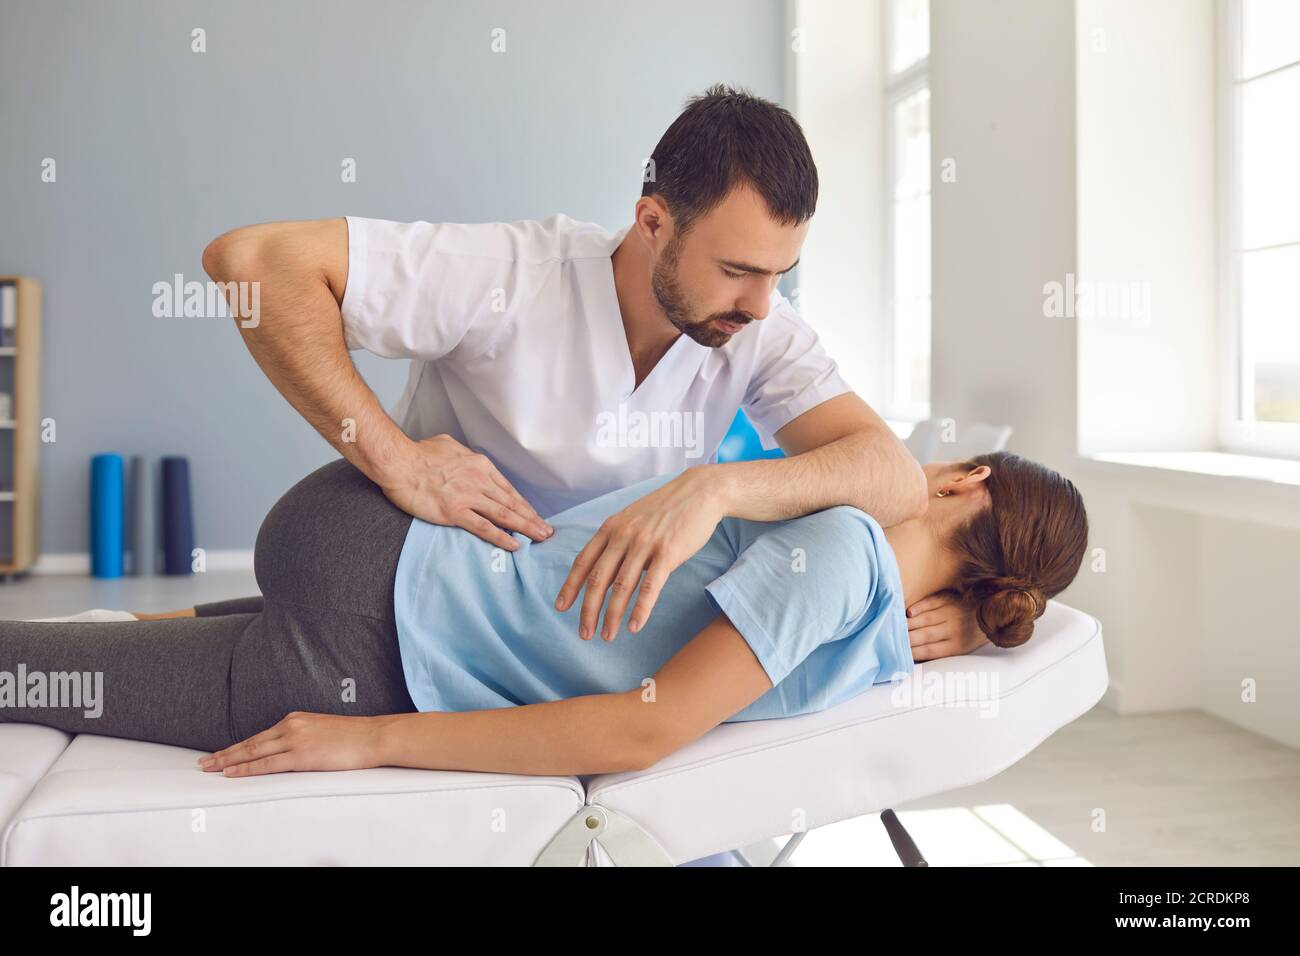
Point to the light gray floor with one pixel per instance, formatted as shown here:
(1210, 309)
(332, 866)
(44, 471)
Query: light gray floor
(57, 595)
(1177, 789)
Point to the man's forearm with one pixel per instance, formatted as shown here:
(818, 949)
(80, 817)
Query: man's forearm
(320, 381)
(865, 469)
(298, 339)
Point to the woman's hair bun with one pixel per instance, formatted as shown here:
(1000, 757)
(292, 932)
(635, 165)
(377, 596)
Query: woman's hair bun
(1020, 551)
(1006, 609)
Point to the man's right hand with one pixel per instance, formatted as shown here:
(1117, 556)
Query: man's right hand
(441, 481)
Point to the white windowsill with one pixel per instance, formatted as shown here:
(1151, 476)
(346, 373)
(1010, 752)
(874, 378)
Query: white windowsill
(1265, 491)
(1216, 463)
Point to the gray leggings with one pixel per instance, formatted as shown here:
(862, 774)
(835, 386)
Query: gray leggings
(322, 638)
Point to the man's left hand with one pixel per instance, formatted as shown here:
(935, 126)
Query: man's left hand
(654, 535)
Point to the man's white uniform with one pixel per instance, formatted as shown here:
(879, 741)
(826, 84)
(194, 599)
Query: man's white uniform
(519, 353)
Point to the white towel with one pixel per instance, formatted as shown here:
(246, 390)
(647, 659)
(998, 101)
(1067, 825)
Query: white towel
(94, 615)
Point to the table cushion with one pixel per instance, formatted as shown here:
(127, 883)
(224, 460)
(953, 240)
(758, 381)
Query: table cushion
(26, 752)
(107, 801)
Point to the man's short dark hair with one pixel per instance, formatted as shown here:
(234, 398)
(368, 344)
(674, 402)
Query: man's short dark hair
(725, 138)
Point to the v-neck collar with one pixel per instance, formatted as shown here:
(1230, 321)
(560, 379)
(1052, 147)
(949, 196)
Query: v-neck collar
(685, 353)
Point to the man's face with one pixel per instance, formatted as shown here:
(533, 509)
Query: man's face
(719, 277)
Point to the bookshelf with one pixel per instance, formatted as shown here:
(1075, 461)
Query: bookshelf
(20, 434)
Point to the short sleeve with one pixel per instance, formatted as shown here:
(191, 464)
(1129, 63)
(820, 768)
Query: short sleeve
(418, 289)
(793, 373)
(799, 585)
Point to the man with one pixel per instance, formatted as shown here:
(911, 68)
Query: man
(534, 344)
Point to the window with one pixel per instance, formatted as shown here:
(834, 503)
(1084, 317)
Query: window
(1260, 225)
(906, 268)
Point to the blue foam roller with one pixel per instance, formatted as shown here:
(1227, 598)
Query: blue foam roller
(177, 516)
(107, 504)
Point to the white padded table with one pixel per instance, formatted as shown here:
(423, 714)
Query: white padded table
(103, 801)
(26, 753)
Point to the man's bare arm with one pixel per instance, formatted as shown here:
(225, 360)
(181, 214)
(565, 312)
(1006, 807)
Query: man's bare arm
(843, 453)
(840, 453)
(833, 448)
(298, 341)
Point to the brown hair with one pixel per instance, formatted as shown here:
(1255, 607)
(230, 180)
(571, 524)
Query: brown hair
(1023, 549)
(726, 137)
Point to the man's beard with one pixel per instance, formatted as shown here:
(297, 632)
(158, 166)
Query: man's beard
(668, 292)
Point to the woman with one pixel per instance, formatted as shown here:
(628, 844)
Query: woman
(390, 641)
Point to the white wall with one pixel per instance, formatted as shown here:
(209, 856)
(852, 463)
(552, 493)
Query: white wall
(1001, 107)
(834, 85)
(1191, 576)
(1147, 216)
(1196, 600)
(1249, 616)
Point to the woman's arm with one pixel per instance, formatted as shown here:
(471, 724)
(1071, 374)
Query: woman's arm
(164, 615)
(707, 681)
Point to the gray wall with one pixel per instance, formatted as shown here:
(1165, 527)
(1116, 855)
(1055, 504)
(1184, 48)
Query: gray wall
(159, 149)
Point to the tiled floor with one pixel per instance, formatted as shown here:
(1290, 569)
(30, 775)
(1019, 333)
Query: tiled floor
(1180, 789)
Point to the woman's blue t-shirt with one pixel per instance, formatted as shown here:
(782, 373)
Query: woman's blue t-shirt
(818, 599)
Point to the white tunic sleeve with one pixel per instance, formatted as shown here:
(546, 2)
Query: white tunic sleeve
(792, 373)
(419, 289)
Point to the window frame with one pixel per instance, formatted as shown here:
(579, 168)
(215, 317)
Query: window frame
(1235, 432)
(897, 87)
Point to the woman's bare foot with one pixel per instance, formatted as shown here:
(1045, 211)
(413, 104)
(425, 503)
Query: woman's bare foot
(165, 615)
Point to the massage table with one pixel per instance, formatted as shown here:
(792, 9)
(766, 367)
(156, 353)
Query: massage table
(90, 800)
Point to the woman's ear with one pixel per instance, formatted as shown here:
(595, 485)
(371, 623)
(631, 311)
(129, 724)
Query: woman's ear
(967, 481)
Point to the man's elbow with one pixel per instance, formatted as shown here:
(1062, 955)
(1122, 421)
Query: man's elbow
(916, 505)
(901, 498)
(905, 485)
(234, 255)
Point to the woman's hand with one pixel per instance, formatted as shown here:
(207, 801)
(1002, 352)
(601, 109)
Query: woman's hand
(303, 742)
(941, 626)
